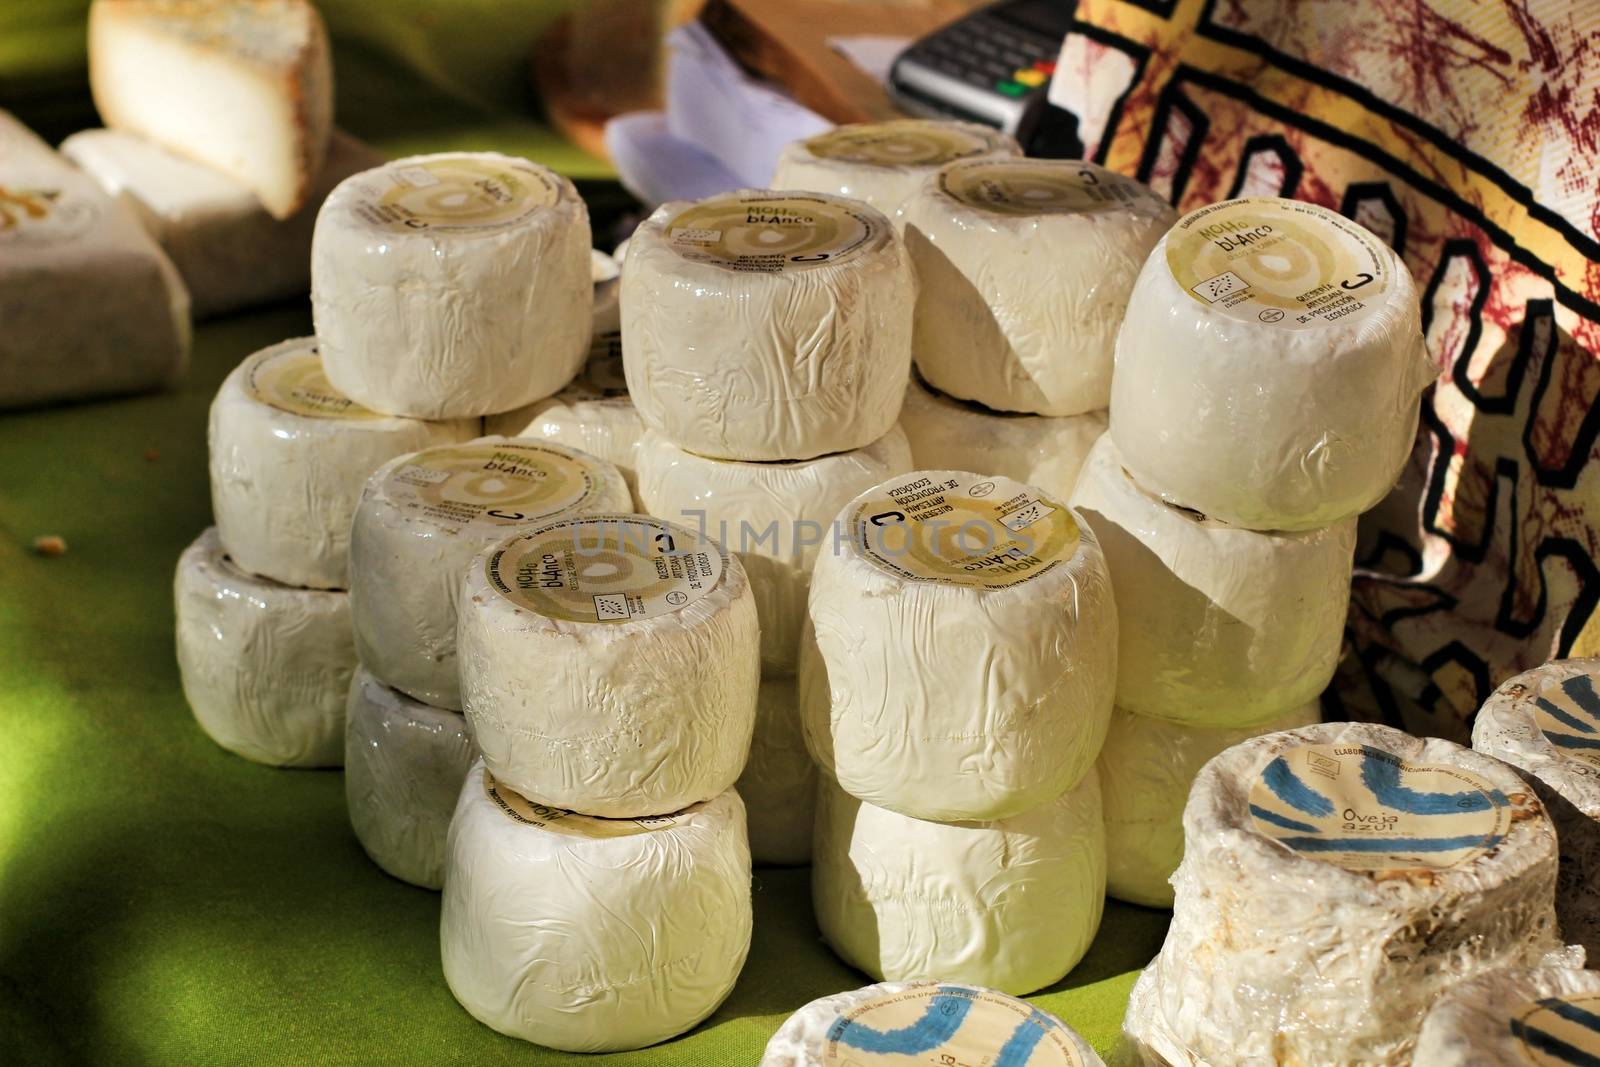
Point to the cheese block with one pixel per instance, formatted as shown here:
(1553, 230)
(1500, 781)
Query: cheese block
(1219, 626)
(763, 326)
(884, 163)
(244, 87)
(1011, 903)
(1269, 366)
(946, 433)
(592, 935)
(962, 648)
(404, 762)
(775, 516)
(779, 782)
(1023, 269)
(1146, 769)
(421, 520)
(1336, 880)
(609, 664)
(1546, 723)
(925, 1022)
(452, 285)
(265, 667)
(289, 456)
(231, 253)
(1520, 1017)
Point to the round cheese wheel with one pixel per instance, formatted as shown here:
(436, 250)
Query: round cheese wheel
(774, 516)
(761, 326)
(609, 664)
(779, 782)
(289, 455)
(592, 935)
(1269, 366)
(1546, 723)
(404, 762)
(421, 520)
(265, 667)
(925, 1022)
(884, 163)
(946, 433)
(1219, 626)
(1011, 903)
(452, 285)
(1336, 880)
(1023, 269)
(1519, 1016)
(962, 651)
(1146, 769)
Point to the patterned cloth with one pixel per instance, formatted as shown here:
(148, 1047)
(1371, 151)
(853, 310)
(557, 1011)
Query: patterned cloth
(1467, 134)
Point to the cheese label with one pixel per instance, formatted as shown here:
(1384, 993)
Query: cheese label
(567, 823)
(981, 531)
(456, 193)
(948, 1024)
(771, 234)
(1366, 809)
(1041, 187)
(42, 215)
(606, 569)
(292, 380)
(1567, 712)
(1558, 1031)
(1281, 262)
(904, 143)
(483, 486)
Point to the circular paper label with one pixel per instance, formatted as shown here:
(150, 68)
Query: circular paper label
(1559, 1031)
(1567, 712)
(964, 529)
(1365, 809)
(605, 568)
(455, 193)
(1041, 187)
(770, 234)
(1281, 262)
(569, 823)
(292, 380)
(950, 1025)
(37, 214)
(904, 143)
(484, 486)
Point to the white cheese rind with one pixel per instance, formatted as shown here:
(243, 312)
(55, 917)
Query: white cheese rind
(594, 941)
(1277, 955)
(404, 762)
(822, 352)
(774, 516)
(1019, 309)
(1218, 626)
(1541, 722)
(1147, 767)
(1012, 904)
(265, 667)
(1260, 425)
(1496, 1019)
(779, 781)
(484, 308)
(285, 484)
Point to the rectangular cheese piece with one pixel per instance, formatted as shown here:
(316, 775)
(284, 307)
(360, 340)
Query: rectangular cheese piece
(243, 86)
(231, 252)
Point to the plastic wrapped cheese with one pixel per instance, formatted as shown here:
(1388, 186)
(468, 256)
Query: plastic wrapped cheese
(1218, 625)
(289, 456)
(779, 782)
(1146, 769)
(265, 667)
(452, 285)
(761, 326)
(962, 650)
(1012, 903)
(592, 935)
(925, 1022)
(421, 520)
(404, 762)
(1546, 723)
(609, 664)
(1520, 1017)
(775, 516)
(1023, 269)
(1041, 450)
(1336, 880)
(884, 163)
(1269, 368)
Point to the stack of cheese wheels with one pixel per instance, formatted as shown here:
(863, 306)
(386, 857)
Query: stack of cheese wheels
(264, 636)
(956, 686)
(1336, 880)
(1547, 1016)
